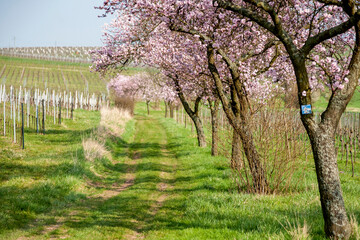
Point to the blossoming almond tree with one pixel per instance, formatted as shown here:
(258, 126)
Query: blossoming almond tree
(309, 31)
(169, 53)
(241, 80)
(141, 86)
(239, 77)
(242, 69)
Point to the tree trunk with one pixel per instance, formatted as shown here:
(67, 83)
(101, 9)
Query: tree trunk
(238, 114)
(148, 107)
(322, 139)
(236, 163)
(200, 131)
(257, 171)
(193, 114)
(171, 106)
(214, 109)
(166, 109)
(336, 221)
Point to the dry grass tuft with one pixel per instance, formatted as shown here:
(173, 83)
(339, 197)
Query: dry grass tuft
(94, 149)
(355, 231)
(296, 231)
(113, 121)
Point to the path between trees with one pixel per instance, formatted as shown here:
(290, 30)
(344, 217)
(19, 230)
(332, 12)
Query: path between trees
(165, 159)
(145, 186)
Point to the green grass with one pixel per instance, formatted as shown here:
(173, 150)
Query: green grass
(206, 206)
(353, 106)
(39, 184)
(179, 190)
(45, 175)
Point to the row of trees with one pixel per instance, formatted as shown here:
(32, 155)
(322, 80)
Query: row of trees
(145, 86)
(240, 53)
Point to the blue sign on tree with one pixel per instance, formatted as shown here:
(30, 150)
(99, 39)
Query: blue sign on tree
(306, 109)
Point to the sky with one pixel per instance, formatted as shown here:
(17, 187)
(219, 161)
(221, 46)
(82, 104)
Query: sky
(48, 23)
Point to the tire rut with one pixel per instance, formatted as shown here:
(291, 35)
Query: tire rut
(114, 190)
(129, 181)
(161, 187)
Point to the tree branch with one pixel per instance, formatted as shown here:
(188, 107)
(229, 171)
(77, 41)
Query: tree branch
(247, 13)
(311, 42)
(276, 29)
(182, 97)
(218, 83)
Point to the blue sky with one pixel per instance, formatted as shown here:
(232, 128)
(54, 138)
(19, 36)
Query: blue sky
(42, 23)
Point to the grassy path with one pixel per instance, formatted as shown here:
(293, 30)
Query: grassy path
(127, 208)
(120, 198)
(155, 174)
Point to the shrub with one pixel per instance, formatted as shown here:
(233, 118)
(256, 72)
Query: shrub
(125, 103)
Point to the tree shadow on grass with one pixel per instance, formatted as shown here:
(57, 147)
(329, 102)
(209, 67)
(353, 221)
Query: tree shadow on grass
(21, 204)
(35, 182)
(130, 211)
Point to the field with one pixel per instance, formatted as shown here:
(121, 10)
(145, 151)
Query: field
(155, 184)
(42, 74)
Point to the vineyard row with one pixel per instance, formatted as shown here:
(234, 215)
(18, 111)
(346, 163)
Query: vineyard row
(34, 110)
(59, 79)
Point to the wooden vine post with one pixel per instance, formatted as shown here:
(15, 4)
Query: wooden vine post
(37, 117)
(60, 110)
(43, 116)
(22, 126)
(72, 111)
(14, 121)
(4, 118)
